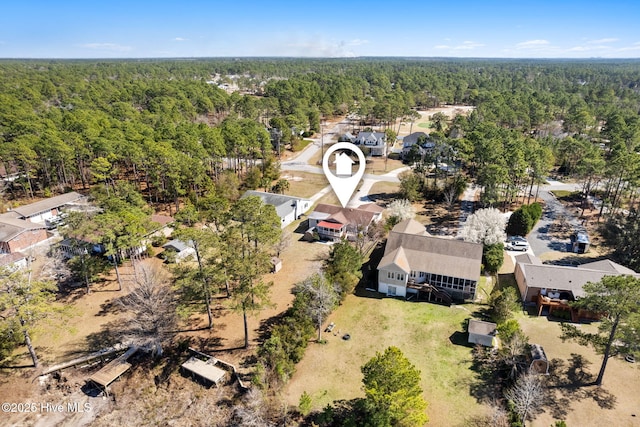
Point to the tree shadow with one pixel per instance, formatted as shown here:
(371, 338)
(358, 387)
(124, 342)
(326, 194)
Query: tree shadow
(569, 382)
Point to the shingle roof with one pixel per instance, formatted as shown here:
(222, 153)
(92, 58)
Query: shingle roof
(352, 216)
(607, 265)
(410, 226)
(565, 277)
(283, 204)
(413, 138)
(480, 327)
(8, 259)
(434, 255)
(47, 204)
(12, 227)
(528, 259)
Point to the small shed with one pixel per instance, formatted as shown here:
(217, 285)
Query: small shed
(205, 371)
(483, 333)
(539, 362)
(276, 264)
(182, 249)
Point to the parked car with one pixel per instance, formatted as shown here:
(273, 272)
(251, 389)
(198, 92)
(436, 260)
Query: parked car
(517, 243)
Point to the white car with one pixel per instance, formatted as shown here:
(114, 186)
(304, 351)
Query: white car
(517, 245)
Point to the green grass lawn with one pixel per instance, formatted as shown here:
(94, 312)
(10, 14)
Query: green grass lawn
(424, 332)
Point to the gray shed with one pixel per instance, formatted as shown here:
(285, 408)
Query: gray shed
(483, 333)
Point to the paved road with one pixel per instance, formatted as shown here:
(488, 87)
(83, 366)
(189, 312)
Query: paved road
(300, 164)
(539, 239)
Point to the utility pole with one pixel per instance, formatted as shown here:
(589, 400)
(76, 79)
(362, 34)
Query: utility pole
(322, 136)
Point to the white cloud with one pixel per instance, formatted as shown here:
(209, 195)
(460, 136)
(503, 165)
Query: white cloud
(324, 48)
(180, 39)
(533, 44)
(635, 46)
(603, 41)
(466, 45)
(107, 46)
(356, 42)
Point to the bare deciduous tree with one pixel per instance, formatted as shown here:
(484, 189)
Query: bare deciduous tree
(321, 297)
(253, 411)
(526, 394)
(150, 309)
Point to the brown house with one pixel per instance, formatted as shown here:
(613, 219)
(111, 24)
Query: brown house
(17, 234)
(553, 287)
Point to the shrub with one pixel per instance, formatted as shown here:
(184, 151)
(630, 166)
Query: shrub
(493, 257)
(519, 223)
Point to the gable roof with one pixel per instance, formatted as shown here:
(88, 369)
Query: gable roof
(47, 204)
(12, 227)
(283, 204)
(434, 255)
(352, 216)
(377, 137)
(178, 245)
(413, 138)
(162, 219)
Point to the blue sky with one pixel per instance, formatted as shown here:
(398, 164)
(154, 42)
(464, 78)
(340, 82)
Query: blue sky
(328, 28)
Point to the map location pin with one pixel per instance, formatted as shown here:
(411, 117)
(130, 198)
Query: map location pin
(341, 177)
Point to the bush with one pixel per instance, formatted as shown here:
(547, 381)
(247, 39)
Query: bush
(519, 223)
(493, 257)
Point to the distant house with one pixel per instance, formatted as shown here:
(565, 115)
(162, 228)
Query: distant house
(334, 222)
(554, 286)
(288, 208)
(43, 210)
(416, 263)
(13, 261)
(375, 141)
(420, 140)
(346, 137)
(483, 333)
(182, 249)
(72, 247)
(18, 234)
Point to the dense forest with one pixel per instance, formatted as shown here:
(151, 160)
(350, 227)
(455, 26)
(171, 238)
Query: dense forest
(166, 127)
(189, 135)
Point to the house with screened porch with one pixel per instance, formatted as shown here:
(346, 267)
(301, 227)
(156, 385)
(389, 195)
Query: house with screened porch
(418, 265)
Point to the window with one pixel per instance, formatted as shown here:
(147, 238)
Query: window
(391, 290)
(422, 274)
(412, 274)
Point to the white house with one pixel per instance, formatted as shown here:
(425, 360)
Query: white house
(182, 249)
(376, 141)
(288, 208)
(43, 210)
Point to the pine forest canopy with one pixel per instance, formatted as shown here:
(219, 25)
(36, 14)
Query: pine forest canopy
(165, 125)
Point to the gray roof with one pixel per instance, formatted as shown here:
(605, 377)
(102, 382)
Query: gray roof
(413, 138)
(435, 255)
(607, 265)
(12, 227)
(567, 278)
(377, 137)
(47, 204)
(480, 327)
(527, 258)
(178, 245)
(283, 204)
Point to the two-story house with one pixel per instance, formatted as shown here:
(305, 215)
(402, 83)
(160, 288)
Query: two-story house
(334, 222)
(415, 262)
(375, 141)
